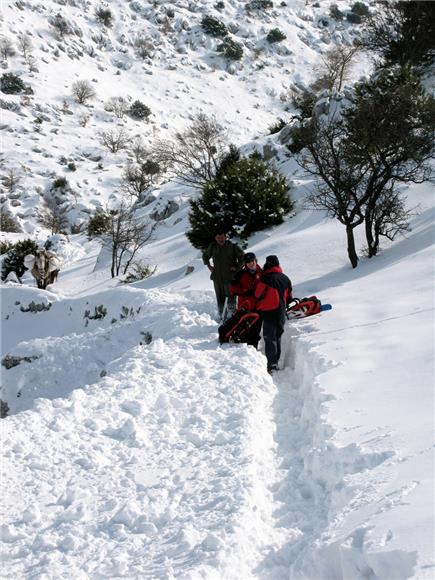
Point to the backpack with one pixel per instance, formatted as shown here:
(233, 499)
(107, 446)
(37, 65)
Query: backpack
(301, 307)
(237, 328)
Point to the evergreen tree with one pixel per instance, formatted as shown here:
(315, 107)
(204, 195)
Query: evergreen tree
(14, 260)
(246, 196)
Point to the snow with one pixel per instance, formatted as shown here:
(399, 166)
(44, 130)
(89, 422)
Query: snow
(135, 445)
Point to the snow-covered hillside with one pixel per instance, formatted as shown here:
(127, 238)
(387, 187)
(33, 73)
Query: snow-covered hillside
(135, 446)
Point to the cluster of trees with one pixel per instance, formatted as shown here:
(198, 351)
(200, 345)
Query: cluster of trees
(361, 152)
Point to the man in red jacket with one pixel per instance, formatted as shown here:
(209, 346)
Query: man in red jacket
(243, 286)
(273, 293)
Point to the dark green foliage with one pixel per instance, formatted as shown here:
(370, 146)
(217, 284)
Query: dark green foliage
(403, 32)
(139, 110)
(214, 27)
(305, 103)
(5, 246)
(11, 84)
(353, 18)
(219, 5)
(247, 197)
(8, 222)
(72, 166)
(99, 224)
(384, 137)
(231, 49)
(335, 12)
(104, 16)
(59, 183)
(14, 260)
(276, 127)
(275, 35)
(259, 5)
(233, 156)
(361, 9)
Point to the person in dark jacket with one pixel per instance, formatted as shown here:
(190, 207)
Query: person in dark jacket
(227, 260)
(243, 286)
(273, 293)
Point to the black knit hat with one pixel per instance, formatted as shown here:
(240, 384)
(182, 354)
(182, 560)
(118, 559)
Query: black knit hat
(271, 262)
(248, 257)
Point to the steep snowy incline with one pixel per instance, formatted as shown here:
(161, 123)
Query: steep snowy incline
(161, 467)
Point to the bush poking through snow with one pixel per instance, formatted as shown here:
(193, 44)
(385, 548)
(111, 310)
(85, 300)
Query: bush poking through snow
(138, 177)
(6, 48)
(115, 139)
(277, 127)
(53, 217)
(214, 26)
(11, 84)
(259, 5)
(8, 223)
(83, 91)
(139, 111)
(275, 35)
(232, 50)
(104, 16)
(119, 106)
(139, 271)
(61, 26)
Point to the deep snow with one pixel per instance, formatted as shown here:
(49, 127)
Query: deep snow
(135, 445)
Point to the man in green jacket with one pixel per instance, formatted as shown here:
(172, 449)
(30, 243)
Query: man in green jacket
(227, 260)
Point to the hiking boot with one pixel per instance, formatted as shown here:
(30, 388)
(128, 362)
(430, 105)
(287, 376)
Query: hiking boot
(271, 369)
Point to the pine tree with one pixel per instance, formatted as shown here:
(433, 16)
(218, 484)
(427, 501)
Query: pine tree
(246, 197)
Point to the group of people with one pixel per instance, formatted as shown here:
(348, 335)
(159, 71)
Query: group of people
(238, 277)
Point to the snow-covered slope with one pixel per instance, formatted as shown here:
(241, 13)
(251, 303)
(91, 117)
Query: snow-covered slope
(137, 447)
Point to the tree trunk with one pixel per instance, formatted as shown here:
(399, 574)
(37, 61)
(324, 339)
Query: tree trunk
(351, 251)
(370, 229)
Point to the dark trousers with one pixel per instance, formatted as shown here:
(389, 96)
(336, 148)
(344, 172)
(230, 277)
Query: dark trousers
(273, 328)
(222, 291)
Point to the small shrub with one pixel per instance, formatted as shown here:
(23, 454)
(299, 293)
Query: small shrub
(104, 16)
(119, 106)
(259, 5)
(143, 46)
(305, 102)
(99, 224)
(214, 27)
(139, 271)
(361, 9)
(231, 49)
(5, 246)
(335, 13)
(139, 110)
(8, 223)
(114, 140)
(11, 84)
(353, 18)
(219, 5)
(59, 183)
(275, 35)
(6, 48)
(72, 166)
(276, 127)
(83, 91)
(60, 25)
